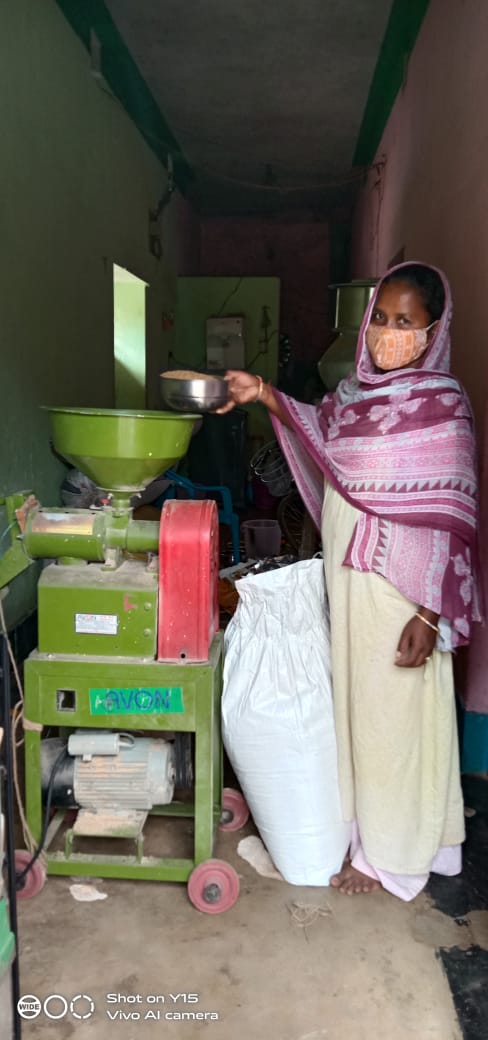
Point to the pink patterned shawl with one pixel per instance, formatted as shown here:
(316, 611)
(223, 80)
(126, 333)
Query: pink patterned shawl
(399, 446)
(476, 686)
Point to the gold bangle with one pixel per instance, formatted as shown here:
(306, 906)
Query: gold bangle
(429, 623)
(260, 389)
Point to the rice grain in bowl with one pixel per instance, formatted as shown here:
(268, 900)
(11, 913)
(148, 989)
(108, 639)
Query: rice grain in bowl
(182, 374)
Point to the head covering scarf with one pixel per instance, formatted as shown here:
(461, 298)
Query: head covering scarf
(399, 446)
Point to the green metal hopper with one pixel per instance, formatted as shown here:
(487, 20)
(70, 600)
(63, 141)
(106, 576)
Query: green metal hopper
(120, 450)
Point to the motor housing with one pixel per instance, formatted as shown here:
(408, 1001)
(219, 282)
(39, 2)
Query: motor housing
(104, 769)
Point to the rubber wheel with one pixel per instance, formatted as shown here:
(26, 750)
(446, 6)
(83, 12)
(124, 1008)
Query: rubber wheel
(235, 812)
(213, 886)
(35, 877)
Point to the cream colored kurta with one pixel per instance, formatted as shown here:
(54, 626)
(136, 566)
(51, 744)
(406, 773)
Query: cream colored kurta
(396, 727)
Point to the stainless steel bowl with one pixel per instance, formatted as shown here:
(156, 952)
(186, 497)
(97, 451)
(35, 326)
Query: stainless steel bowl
(194, 395)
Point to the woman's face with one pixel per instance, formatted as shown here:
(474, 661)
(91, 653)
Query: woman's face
(399, 307)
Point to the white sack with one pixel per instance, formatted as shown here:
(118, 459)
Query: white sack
(278, 725)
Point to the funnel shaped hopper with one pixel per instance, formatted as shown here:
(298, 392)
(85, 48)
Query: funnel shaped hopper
(121, 451)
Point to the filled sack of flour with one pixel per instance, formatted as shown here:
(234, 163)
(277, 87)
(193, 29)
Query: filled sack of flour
(278, 723)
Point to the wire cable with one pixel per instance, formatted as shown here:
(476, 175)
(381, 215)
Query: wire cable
(296, 188)
(21, 877)
(231, 294)
(17, 718)
(6, 531)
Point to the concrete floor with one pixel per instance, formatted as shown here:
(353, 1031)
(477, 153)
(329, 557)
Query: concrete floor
(367, 968)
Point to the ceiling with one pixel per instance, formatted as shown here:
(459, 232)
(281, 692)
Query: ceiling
(265, 100)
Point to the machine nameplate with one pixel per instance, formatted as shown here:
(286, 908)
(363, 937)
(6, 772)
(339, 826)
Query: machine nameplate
(151, 700)
(97, 624)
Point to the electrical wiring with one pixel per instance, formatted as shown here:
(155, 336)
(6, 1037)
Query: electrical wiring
(6, 531)
(231, 294)
(17, 717)
(255, 185)
(192, 365)
(169, 147)
(192, 136)
(4, 630)
(357, 175)
(47, 815)
(260, 353)
(200, 367)
(353, 177)
(214, 142)
(281, 164)
(263, 352)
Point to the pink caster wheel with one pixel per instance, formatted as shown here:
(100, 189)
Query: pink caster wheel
(213, 886)
(235, 812)
(34, 880)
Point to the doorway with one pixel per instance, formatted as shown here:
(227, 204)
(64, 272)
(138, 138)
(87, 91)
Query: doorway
(129, 339)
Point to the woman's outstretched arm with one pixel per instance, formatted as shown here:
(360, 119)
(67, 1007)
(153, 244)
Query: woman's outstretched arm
(245, 388)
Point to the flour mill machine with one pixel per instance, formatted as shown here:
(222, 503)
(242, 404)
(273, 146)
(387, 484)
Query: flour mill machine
(122, 695)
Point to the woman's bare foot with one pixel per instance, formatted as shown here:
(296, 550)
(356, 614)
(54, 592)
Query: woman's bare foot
(350, 881)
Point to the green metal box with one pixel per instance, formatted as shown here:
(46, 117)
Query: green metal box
(87, 609)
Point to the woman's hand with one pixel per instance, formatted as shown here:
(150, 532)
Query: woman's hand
(243, 389)
(417, 640)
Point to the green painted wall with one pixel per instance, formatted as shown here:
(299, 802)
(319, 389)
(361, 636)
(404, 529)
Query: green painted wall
(76, 183)
(202, 298)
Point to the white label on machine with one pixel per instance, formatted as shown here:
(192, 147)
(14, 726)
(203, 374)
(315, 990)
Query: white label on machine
(58, 517)
(97, 624)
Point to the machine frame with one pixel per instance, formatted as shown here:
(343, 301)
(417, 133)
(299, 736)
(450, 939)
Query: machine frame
(48, 679)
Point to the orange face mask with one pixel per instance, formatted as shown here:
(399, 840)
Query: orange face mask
(396, 348)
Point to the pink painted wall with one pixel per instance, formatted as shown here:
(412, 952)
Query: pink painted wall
(295, 252)
(431, 195)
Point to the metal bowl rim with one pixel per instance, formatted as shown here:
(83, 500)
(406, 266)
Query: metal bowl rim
(215, 383)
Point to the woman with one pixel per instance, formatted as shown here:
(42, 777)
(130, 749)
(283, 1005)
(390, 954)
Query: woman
(386, 466)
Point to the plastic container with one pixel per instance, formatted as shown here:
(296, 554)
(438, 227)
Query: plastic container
(261, 538)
